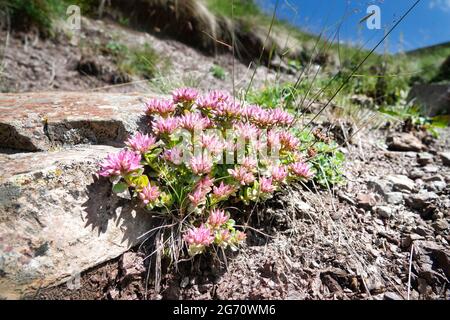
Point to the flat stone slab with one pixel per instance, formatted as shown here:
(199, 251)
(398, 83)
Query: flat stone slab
(57, 218)
(41, 121)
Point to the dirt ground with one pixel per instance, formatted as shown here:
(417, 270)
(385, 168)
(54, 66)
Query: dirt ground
(319, 243)
(31, 63)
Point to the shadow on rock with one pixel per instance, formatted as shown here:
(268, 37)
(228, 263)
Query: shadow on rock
(108, 213)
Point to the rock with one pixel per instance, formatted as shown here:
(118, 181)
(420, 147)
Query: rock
(440, 225)
(393, 197)
(424, 158)
(41, 121)
(445, 157)
(58, 219)
(392, 296)
(423, 231)
(435, 183)
(404, 142)
(344, 197)
(401, 182)
(409, 239)
(436, 186)
(420, 200)
(366, 200)
(430, 169)
(384, 211)
(379, 186)
(416, 174)
(132, 265)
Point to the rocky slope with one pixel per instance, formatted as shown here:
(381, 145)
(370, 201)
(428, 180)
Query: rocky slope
(352, 241)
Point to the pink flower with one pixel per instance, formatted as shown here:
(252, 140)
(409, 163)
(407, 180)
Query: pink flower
(217, 218)
(228, 109)
(242, 175)
(199, 236)
(141, 143)
(197, 197)
(239, 236)
(222, 236)
(220, 96)
(281, 117)
(149, 194)
(165, 125)
(201, 164)
(162, 107)
(273, 139)
(194, 121)
(223, 191)
(246, 131)
(249, 163)
(211, 143)
(120, 163)
(301, 169)
(205, 183)
(266, 186)
(288, 141)
(279, 173)
(174, 155)
(207, 102)
(201, 189)
(184, 95)
(259, 116)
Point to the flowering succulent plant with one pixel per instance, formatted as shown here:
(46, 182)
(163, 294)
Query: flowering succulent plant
(202, 152)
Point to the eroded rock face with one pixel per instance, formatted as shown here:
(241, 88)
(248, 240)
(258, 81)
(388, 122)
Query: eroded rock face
(40, 121)
(58, 218)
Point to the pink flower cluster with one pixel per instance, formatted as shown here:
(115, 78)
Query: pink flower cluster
(141, 143)
(200, 236)
(153, 165)
(216, 231)
(149, 194)
(162, 107)
(121, 163)
(201, 190)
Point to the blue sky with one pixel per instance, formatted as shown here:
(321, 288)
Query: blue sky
(427, 24)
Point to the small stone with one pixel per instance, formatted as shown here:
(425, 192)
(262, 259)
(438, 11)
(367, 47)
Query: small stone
(416, 173)
(379, 186)
(430, 169)
(392, 296)
(393, 197)
(366, 200)
(420, 200)
(424, 158)
(440, 225)
(384, 211)
(409, 239)
(404, 142)
(184, 282)
(401, 182)
(436, 186)
(445, 157)
(423, 231)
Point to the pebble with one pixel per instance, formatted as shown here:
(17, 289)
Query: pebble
(445, 157)
(416, 173)
(420, 200)
(424, 158)
(392, 296)
(440, 225)
(384, 211)
(401, 182)
(393, 197)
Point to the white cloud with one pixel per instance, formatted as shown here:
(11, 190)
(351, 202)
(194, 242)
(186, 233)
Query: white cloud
(443, 5)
